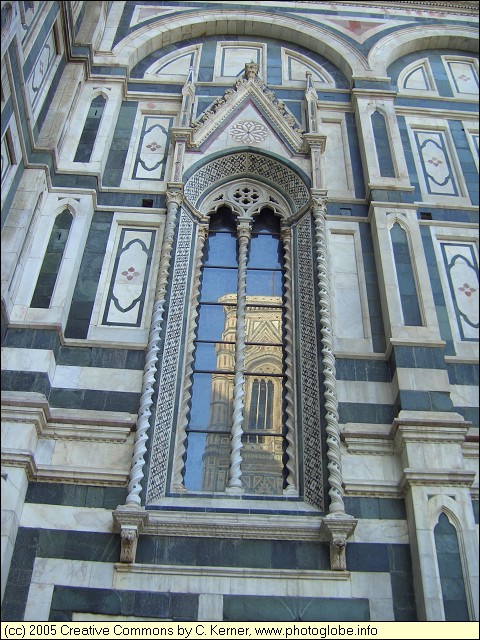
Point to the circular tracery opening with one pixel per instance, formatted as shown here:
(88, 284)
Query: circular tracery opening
(247, 198)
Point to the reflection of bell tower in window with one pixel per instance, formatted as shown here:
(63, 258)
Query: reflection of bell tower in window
(262, 453)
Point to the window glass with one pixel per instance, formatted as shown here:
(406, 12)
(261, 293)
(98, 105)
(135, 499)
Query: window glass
(208, 445)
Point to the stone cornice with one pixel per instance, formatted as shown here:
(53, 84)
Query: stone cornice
(467, 8)
(65, 424)
(203, 572)
(436, 477)
(228, 525)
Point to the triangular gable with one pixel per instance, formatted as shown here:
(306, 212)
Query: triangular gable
(249, 89)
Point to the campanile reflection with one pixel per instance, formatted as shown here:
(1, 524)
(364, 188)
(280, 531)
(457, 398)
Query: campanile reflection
(262, 452)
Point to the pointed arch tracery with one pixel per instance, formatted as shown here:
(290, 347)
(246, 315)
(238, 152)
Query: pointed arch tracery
(247, 185)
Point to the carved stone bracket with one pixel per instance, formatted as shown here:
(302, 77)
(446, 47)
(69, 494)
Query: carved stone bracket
(315, 141)
(130, 522)
(338, 528)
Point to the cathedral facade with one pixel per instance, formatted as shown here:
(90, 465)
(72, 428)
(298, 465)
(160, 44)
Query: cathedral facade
(239, 311)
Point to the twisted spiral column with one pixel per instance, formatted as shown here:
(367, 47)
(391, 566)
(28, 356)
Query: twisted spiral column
(235, 476)
(174, 200)
(291, 488)
(178, 463)
(319, 208)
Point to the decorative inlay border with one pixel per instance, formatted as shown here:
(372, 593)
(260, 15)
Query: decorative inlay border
(41, 70)
(308, 364)
(174, 339)
(128, 284)
(255, 165)
(460, 264)
(152, 151)
(436, 163)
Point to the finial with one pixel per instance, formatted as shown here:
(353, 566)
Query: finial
(251, 70)
(310, 84)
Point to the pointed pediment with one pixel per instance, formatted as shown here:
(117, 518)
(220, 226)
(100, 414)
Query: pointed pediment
(249, 93)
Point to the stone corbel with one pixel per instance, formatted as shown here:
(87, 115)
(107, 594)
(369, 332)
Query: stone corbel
(130, 522)
(338, 528)
(183, 134)
(315, 141)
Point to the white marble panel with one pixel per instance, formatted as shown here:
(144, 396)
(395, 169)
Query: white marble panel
(210, 607)
(338, 166)
(345, 289)
(74, 573)
(381, 531)
(378, 588)
(99, 378)
(231, 58)
(422, 379)
(464, 395)
(416, 80)
(67, 518)
(88, 456)
(17, 359)
(464, 76)
(364, 392)
(39, 601)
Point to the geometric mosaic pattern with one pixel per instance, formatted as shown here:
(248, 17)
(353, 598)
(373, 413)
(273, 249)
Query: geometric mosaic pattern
(307, 362)
(232, 166)
(170, 364)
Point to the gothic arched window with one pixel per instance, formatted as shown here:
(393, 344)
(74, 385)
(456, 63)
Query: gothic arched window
(52, 261)
(238, 371)
(90, 130)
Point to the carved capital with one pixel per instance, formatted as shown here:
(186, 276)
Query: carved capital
(244, 229)
(174, 197)
(317, 142)
(285, 234)
(338, 527)
(203, 232)
(319, 204)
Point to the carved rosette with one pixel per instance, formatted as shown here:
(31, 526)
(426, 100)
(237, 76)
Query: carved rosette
(291, 489)
(235, 475)
(319, 207)
(174, 199)
(178, 483)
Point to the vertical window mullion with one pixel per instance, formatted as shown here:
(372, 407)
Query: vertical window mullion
(235, 474)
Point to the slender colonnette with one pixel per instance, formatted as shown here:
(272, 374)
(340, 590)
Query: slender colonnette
(235, 476)
(319, 208)
(291, 488)
(174, 200)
